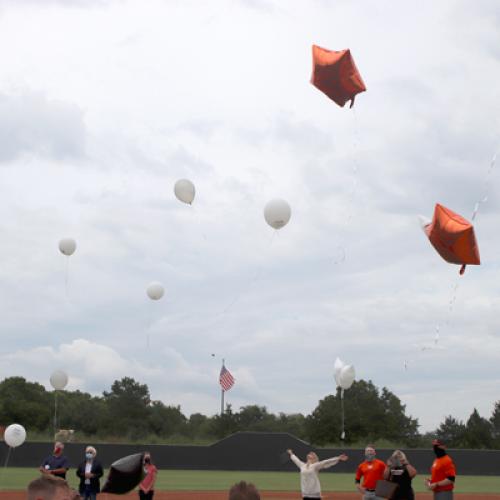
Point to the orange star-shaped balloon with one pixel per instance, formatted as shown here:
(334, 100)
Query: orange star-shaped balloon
(336, 75)
(453, 237)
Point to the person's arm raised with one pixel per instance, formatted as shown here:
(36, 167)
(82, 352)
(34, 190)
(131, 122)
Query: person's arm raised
(295, 459)
(330, 462)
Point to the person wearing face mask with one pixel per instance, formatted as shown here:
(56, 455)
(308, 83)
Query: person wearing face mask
(371, 470)
(56, 464)
(309, 480)
(147, 486)
(89, 472)
(443, 473)
(400, 471)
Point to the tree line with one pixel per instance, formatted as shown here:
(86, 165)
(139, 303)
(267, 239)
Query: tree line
(127, 413)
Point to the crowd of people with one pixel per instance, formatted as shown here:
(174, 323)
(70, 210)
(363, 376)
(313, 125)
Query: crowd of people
(52, 484)
(374, 478)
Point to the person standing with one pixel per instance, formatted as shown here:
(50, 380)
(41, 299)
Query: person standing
(401, 472)
(371, 470)
(56, 464)
(309, 480)
(89, 472)
(443, 473)
(147, 486)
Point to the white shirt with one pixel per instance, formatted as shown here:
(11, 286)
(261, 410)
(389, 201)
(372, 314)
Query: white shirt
(88, 469)
(309, 480)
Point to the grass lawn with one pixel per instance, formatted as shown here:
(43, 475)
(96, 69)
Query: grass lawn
(18, 478)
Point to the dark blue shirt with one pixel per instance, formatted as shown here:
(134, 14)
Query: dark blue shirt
(52, 462)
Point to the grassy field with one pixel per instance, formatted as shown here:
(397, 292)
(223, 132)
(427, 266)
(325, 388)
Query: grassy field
(18, 478)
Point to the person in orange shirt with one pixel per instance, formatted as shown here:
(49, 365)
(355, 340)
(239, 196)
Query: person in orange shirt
(443, 473)
(371, 470)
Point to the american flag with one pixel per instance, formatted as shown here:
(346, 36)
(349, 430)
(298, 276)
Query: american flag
(226, 380)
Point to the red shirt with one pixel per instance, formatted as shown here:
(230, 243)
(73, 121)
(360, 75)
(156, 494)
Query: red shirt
(443, 468)
(371, 472)
(148, 483)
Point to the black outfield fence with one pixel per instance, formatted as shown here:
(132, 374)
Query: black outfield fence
(251, 451)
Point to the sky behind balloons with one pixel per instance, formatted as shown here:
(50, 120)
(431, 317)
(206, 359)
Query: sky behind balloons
(105, 104)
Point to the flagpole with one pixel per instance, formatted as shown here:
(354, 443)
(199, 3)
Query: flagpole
(222, 396)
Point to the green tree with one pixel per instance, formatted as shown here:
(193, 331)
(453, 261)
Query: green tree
(166, 420)
(294, 424)
(127, 406)
(369, 415)
(323, 425)
(255, 418)
(225, 424)
(398, 427)
(452, 432)
(479, 432)
(81, 411)
(199, 425)
(27, 403)
(495, 425)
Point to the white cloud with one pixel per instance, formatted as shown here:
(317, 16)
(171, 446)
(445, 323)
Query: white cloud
(87, 364)
(33, 125)
(93, 367)
(95, 131)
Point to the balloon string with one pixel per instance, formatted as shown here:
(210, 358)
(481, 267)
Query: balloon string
(196, 218)
(342, 435)
(5, 465)
(214, 16)
(355, 166)
(449, 311)
(486, 182)
(439, 326)
(149, 324)
(349, 206)
(453, 299)
(255, 278)
(66, 276)
(55, 413)
(151, 320)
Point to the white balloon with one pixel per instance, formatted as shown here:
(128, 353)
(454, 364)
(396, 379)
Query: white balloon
(59, 380)
(14, 435)
(277, 213)
(67, 246)
(347, 376)
(339, 364)
(184, 191)
(155, 291)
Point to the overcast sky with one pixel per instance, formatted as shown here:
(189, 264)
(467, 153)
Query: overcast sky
(105, 104)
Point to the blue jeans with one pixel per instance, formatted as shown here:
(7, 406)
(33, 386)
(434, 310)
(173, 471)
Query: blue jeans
(370, 495)
(88, 494)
